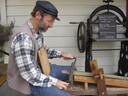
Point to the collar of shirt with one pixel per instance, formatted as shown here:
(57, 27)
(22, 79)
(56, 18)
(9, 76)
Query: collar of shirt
(40, 35)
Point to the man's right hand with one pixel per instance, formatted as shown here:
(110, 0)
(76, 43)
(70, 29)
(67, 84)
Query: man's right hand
(62, 85)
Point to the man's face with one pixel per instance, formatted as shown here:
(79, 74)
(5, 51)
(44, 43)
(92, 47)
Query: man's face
(46, 22)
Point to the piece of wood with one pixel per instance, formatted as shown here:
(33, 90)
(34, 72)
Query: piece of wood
(86, 86)
(108, 81)
(45, 65)
(100, 81)
(74, 22)
(89, 74)
(79, 73)
(99, 78)
(93, 65)
(92, 90)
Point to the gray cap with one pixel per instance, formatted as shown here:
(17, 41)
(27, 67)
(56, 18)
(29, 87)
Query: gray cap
(47, 7)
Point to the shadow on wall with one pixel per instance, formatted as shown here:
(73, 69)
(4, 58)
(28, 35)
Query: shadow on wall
(6, 91)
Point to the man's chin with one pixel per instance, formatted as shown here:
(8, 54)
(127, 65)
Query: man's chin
(45, 30)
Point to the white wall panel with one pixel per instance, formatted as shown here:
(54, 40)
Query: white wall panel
(61, 41)
(63, 10)
(19, 20)
(65, 2)
(102, 61)
(106, 45)
(108, 69)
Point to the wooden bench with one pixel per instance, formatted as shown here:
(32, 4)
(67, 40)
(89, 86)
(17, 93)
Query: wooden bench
(92, 90)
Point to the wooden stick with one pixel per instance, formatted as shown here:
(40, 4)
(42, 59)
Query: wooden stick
(86, 86)
(79, 73)
(93, 65)
(74, 22)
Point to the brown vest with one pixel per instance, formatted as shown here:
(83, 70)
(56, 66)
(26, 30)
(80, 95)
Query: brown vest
(15, 81)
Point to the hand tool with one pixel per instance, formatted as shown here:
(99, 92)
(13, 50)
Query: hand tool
(71, 74)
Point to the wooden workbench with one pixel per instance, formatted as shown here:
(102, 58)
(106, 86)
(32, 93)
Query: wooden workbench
(92, 90)
(78, 87)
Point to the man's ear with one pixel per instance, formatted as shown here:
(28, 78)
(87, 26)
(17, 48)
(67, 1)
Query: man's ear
(38, 15)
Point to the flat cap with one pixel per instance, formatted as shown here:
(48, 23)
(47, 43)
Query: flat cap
(47, 7)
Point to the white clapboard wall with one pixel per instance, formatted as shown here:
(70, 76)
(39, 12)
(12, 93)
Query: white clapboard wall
(63, 36)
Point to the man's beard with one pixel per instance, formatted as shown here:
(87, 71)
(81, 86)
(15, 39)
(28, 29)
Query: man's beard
(42, 27)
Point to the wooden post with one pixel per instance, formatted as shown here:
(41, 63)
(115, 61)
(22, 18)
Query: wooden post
(127, 8)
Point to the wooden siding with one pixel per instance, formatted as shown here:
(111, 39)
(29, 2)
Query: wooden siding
(64, 35)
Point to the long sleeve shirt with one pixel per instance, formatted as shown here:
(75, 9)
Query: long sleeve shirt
(23, 50)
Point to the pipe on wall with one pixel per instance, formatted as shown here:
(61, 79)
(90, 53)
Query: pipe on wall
(127, 8)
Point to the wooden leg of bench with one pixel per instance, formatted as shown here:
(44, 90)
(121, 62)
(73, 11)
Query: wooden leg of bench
(86, 86)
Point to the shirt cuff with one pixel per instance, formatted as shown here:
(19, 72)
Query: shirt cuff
(58, 53)
(54, 81)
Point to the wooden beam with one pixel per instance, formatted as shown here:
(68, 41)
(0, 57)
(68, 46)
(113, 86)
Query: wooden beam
(89, 74)
(79, 73)
(93, 65)
(100, 81)
(108, 81)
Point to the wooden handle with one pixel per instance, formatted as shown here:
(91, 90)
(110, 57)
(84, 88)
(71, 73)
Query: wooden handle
(74, 22)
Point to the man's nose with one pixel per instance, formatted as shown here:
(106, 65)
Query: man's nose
(51, 25)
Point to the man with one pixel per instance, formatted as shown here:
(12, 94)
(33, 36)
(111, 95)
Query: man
(24, 72)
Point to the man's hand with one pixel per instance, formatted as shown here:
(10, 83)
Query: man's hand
(62, 85)
(66, 56)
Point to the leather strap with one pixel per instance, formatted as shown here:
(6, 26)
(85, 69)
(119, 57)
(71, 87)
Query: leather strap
(43, 57)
